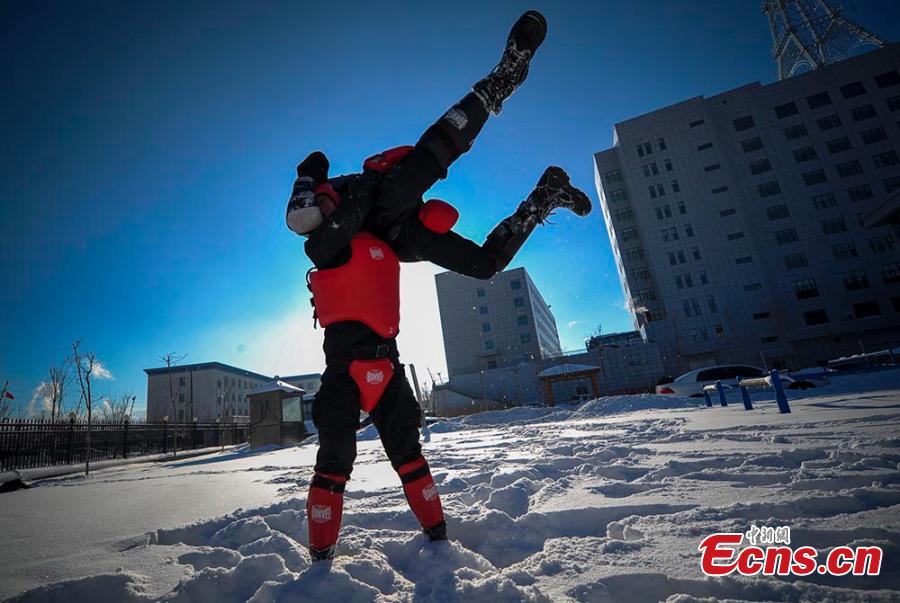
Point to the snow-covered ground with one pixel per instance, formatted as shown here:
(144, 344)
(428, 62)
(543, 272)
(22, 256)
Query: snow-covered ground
(604, 503)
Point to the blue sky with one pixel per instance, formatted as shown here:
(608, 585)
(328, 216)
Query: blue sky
(147, 153)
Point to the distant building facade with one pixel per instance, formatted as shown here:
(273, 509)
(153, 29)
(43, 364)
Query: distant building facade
(489, 324)
(735, 219)
(208, 391)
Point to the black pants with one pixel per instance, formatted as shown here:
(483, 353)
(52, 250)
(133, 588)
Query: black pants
(336, 415)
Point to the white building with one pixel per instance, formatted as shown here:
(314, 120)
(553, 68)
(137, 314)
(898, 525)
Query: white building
(735, 219)
(489, 324)
(208, 391)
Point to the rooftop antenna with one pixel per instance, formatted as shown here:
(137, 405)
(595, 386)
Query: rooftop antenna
(807, 34)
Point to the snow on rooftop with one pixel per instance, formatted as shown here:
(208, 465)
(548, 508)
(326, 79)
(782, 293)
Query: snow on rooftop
(277, 385)
(565, 369)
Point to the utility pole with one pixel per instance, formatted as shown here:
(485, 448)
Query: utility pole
(172, 359)
(426, 433)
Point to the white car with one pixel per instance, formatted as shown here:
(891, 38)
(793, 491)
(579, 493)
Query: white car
(691, 384)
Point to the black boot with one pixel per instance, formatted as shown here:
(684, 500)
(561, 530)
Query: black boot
(553, 190)
(524, 38)
(323, 555)
(438, 532)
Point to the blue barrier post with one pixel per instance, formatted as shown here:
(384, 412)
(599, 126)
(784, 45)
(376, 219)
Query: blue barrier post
(721, 391)
(708, 401)
(745, 395)
(782, 400)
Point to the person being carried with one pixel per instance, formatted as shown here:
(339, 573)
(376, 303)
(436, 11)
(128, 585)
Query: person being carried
(359, 227)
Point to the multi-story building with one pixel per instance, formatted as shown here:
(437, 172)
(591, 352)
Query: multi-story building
(207, 391)
(735, 219)
(494, 323)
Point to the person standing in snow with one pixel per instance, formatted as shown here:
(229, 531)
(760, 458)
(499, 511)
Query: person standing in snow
(358, 228)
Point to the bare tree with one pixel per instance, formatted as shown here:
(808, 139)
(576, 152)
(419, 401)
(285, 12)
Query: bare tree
(171, 359)
(6, 410)
(60, 377)
(85, 363)
(119, 408)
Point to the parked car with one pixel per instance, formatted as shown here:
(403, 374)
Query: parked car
(691, 384)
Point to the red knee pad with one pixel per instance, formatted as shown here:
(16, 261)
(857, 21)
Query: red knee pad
(438, 216)
(324, 508)
(421, 493)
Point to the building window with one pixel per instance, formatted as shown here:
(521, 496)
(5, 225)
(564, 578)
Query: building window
(181, 397)
(218, 384)
(629, 234)
(634, 253)
(753, 287)
(761, 166)
(663, 211)
(788, 235)
(694, 124)
(890, 273)
(777, 212)
(743, 123)
(668, 165)
(640, 151)
(795, 261)
(863, 113)
(688, 281)
(661, 190)
(485, 327)
(711, 304)
(691, 307)
(648, 149)
(688, 230)
(662, 143)
(623, 214)
(644, 295)
(682, 208)
(720, 189)
(641, 274)
(893, 103)
(751, 144)
(676, 257)
(866, 309)
(891, 184)
(619, 195)
(479, 292)
(814, 177)
(614, 176)
(708, 145)
(488, 344)
(838, 145)
(834, 226)
(818, 100)
(860, 193)
(883, 160)
(849, 168)
(786, 110)
(886, 80)
(522, 320)
(874, 135)
(704, 280)
(679, 282)
(519, 302)
(844, 251)
(698, 334)
(712, 168)
(482, 310)
(805, 154)
(743, 260)
(727, 212)
(735, 236)
(794, 132)
(720, 332)
(824, 201)
(695, 252)
(675, 187)
(768, 189)
(182, 382)
(882, 244)
(828, 122)
(805, 289)
(761, 315)
(525, 338)
(516, 284)
(491, 364)
(855, 280)
(815, 317)
(669, 234)
(853, 90)
(652, 190)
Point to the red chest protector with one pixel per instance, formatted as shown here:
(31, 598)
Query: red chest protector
(366, 289)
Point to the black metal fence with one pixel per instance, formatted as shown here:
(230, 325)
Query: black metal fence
(28, 443)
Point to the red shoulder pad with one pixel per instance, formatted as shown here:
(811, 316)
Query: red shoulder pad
(327, 190)
(384, 161)
(438, 216)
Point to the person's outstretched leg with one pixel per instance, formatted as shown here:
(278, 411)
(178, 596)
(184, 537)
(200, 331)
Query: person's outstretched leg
(336, 416)
(455, 132)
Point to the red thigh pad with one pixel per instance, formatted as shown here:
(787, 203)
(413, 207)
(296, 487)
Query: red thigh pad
(371, 377)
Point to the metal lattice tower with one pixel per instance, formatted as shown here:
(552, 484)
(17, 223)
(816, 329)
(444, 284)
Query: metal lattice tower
(807, 34)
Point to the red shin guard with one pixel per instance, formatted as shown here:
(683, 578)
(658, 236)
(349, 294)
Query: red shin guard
(324, 507)
(421, 493)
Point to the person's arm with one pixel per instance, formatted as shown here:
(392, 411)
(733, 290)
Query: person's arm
(449, 250)
(329, 244)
